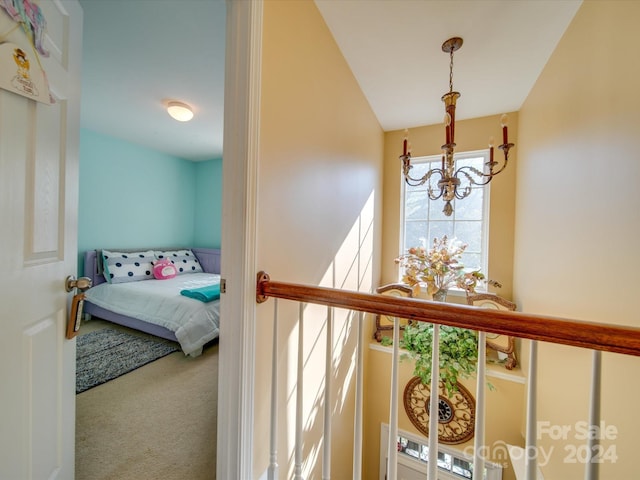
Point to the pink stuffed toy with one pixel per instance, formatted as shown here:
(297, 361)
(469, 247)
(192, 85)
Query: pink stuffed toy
(164, 269)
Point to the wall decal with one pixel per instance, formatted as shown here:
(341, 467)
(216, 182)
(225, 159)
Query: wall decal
(16, 74)
(30, 16)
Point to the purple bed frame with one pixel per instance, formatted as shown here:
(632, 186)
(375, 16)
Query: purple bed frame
(209, 259)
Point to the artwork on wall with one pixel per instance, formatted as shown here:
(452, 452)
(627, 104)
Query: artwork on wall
(20, 71)
(456, 411)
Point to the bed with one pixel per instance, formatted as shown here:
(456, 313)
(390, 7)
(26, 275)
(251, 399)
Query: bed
(156, 306)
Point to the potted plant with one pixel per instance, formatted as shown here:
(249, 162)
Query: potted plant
(439, 268)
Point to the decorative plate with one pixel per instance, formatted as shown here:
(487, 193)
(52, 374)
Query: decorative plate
(456, 414)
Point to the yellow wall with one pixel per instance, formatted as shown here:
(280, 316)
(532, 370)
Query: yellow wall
(577, 222)
(470, 135)
(575, 164)
(319, 200)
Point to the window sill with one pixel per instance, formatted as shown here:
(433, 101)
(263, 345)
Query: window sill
(493, 369)
(455, 295)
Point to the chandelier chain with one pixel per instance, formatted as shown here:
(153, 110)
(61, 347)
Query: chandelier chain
(451, 70)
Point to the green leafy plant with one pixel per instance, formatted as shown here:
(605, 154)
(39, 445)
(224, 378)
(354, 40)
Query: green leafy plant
(386, 341)
(458, 352)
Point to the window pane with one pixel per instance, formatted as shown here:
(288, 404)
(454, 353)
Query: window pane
(424, 453)
(475, 162)
(439, 229)
(419, 170)
(471, 207)
(462, 467)
(416, 205)
(415, 235)
(412, 449)
(444, 460)
(435, 210)
(471, 261)
(471, 234)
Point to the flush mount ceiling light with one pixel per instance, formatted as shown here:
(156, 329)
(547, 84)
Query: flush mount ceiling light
(180, 111)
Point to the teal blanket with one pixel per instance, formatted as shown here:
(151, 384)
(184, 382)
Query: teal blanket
(204, 294)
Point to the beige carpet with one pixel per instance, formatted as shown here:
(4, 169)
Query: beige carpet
(157, 422)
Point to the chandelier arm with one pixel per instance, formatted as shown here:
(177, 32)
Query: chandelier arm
(416, 182)
(465, 193)
(433, 196)
(483, 178)
(505, 148)
(496, 172)
(440, 190)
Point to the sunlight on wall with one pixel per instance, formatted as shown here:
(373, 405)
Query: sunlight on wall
(320, 162)
(349, 270)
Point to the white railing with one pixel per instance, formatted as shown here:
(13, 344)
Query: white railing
(598, 337)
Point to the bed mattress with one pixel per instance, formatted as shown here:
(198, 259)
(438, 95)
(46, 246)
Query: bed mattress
(159, 302)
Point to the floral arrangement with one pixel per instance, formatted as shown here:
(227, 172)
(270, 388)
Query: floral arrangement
(439, 267)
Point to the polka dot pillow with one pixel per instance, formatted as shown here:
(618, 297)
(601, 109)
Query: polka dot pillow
(184, 260)
(121, 267)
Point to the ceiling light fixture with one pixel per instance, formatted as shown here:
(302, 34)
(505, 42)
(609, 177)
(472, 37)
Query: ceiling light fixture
(180, 111)
(449, 185)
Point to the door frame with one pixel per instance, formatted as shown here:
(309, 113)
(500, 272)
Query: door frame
(239, 230)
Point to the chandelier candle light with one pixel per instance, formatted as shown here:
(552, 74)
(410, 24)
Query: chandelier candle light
(450, 183)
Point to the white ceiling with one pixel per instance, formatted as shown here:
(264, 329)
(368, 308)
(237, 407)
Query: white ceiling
(140, 53)
(394, 48)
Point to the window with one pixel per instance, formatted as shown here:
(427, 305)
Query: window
(420, 451)
(423, 219)
(413, 457)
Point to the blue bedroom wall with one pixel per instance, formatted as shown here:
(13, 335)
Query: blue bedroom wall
(131, 197)
(208, 221)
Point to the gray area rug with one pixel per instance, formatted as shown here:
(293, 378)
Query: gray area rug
(106, 354)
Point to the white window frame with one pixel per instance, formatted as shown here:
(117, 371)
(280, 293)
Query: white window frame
(484, 240)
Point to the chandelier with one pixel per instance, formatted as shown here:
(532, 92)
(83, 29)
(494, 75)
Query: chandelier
(454, 183)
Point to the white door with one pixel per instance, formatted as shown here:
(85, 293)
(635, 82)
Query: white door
(38, 236)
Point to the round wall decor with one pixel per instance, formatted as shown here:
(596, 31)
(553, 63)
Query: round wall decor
(456, 414)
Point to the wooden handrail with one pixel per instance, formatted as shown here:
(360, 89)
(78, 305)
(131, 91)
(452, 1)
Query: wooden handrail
(592, 335)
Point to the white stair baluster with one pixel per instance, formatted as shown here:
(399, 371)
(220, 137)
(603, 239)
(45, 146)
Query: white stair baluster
(357, 436)
(479, 428)
(592, 470)
(273, 441)
(297, 469)
(326, 450)
(392, 452)
(530, 456)
(432, 466)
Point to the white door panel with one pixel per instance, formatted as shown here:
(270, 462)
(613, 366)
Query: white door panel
(38, 249)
